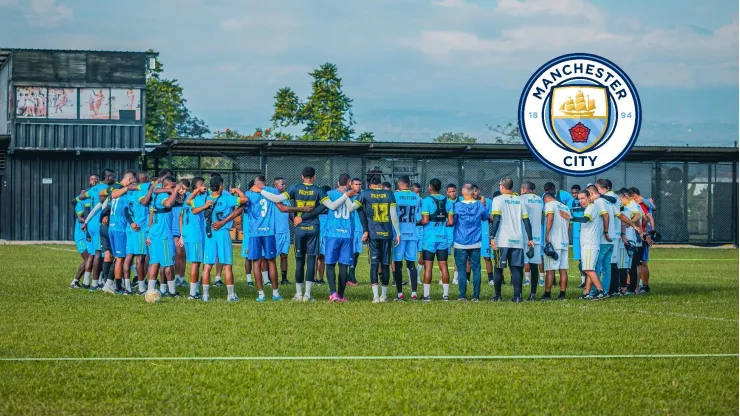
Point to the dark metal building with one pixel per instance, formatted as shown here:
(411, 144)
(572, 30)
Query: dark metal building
(694, 188)
(63, 116)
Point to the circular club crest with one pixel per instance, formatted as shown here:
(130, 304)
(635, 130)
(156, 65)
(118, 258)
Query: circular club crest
(579, 114)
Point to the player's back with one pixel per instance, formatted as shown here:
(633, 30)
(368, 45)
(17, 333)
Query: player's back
(306, 195)
(559, 227)
(591, 231)
(512, 212)
(161, 218)
(118, 210)
(282, 219)
(261, 214)
(377, 205)
(534, 206)
(94, 195)
(192, 224)
(436, 206)
(80, 208)
(408, 206)
(339, 222)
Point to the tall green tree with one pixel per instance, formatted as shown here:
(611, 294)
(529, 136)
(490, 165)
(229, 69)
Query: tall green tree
(454, 138)
(325, 115)
(166, 112)
(506, 134)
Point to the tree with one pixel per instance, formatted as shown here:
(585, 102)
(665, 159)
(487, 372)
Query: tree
(366, 137)
(166, 113)
(325, 115)
(508, 134)
(455, 138)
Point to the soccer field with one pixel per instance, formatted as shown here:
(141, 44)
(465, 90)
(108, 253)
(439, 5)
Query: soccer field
(693, 309)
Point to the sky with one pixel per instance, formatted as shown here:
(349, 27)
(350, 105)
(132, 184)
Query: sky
(414, 68)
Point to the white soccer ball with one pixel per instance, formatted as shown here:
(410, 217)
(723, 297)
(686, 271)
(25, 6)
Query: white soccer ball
(152, 296)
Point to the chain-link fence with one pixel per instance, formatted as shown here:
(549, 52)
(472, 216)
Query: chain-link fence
(696, 202)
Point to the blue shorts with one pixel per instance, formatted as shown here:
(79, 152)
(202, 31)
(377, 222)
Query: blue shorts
(118, 243)
(406, 250)
(357, 243)
(577, 249)
(485, 251)
(338, 250)
(136, 243)
(194, 252)
(81, 246)
(322, 244)
(282, 243)
(434, 246)
(162, 252)
(218, 247)
(646, 255)
(94, 244)
(263, 246)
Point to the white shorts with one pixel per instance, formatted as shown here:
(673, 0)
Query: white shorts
(623, 258)
(560, 264)
(614, 252)
(537, 258)
(589, 257)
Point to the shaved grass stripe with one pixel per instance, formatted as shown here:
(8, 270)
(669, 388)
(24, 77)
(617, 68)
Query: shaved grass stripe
(378, 358)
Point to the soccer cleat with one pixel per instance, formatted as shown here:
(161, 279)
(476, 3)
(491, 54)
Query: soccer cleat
(414, 297)
(546, 297)
(401, 297)
(561, 296)
(516, 299)
(490, 282)
(277, 298)
(267, 283)
(261, 298)
(109, 290)
(75, 285)
(182, 283)
(462, 298)
(383, 299)
(175, 295)
(333, 298)
(496, 298)
(86, 287)
(298, 297)
(582, 286)
(376, 299)
(140, 293)
(599, 296)
(218, 283)
(118, 292)
(646, 288)
(250, 284)
(307, 298)
(426, 299)
(445, 298)
(440, 281)
(541, 283)
(526, 282)
(284, 282)
(196, 297)
(474, 299)
(127, 293)
(205, 298)
(454, 281)
(94, 288)
(320, 282)
(235, 298)
(531, 297)
(343, 300)
(641, 291)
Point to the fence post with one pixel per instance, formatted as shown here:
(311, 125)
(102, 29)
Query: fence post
(263, 162)
(734, 205)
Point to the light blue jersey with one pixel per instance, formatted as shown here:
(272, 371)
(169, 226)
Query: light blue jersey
(93, 194)
(193, 225)
(339, 222)
(139, 212)
(223, 205)
(485, 226)
(118, 211)
(161, 228)
(261, 213)
(356, 224)
(437, 207)
(409, 209)
(80, 207)
(282, 219)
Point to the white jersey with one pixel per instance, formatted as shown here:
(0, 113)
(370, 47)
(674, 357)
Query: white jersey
(534, 206)
(592, 230)
(512, 212)
(559, 228)
(635, 214)
(615, 224)
(601, 209)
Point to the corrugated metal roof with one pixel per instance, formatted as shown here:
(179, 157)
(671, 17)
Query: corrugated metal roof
(6, 52)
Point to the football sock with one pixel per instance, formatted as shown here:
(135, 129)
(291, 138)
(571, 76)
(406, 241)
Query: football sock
(193, 289)
(205, 290)
(299, 289)
(375, 291)
(445, 289)
(299, 262)
(342, 279)
(419, 271)
(374, 273)
(527, 276)
(172, 286)
(535, 274)
(386, 269)
(86, 280)
(95, 282)
(498, 277)
(614, 282)
(398, 276)
(128, 284)
(284, 275)
(265, 278)
(249, 277)
(455, 275)
(516, 280)
(118, 285)
(490, 276)
(152, 285)
(583, 279)
(310, 269)
(309, 286)
(331, 276)
(427, 290)
(230, 290)
(384, 291)
(275, 292)
(218, 278)
(106, 271)
(413, 275)
(177, 278)
(133, 270)
(261, 293)
(142, 286)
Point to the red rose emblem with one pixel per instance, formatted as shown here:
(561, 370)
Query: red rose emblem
(579, 133)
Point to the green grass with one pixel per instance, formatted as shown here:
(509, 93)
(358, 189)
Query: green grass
(693, 310)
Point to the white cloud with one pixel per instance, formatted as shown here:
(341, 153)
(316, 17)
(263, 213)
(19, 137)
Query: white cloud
(47, 13)
(451, 3)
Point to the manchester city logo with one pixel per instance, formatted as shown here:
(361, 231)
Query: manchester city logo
(579, 114)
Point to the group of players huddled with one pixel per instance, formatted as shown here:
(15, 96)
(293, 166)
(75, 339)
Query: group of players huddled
(145, 232)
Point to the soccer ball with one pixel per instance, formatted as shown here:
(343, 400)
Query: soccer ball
(152, 296)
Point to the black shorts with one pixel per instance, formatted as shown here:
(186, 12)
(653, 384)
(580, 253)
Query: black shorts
(104, 239)
(306, 245)
(440, 254)
(380, 251)
(513, 256)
